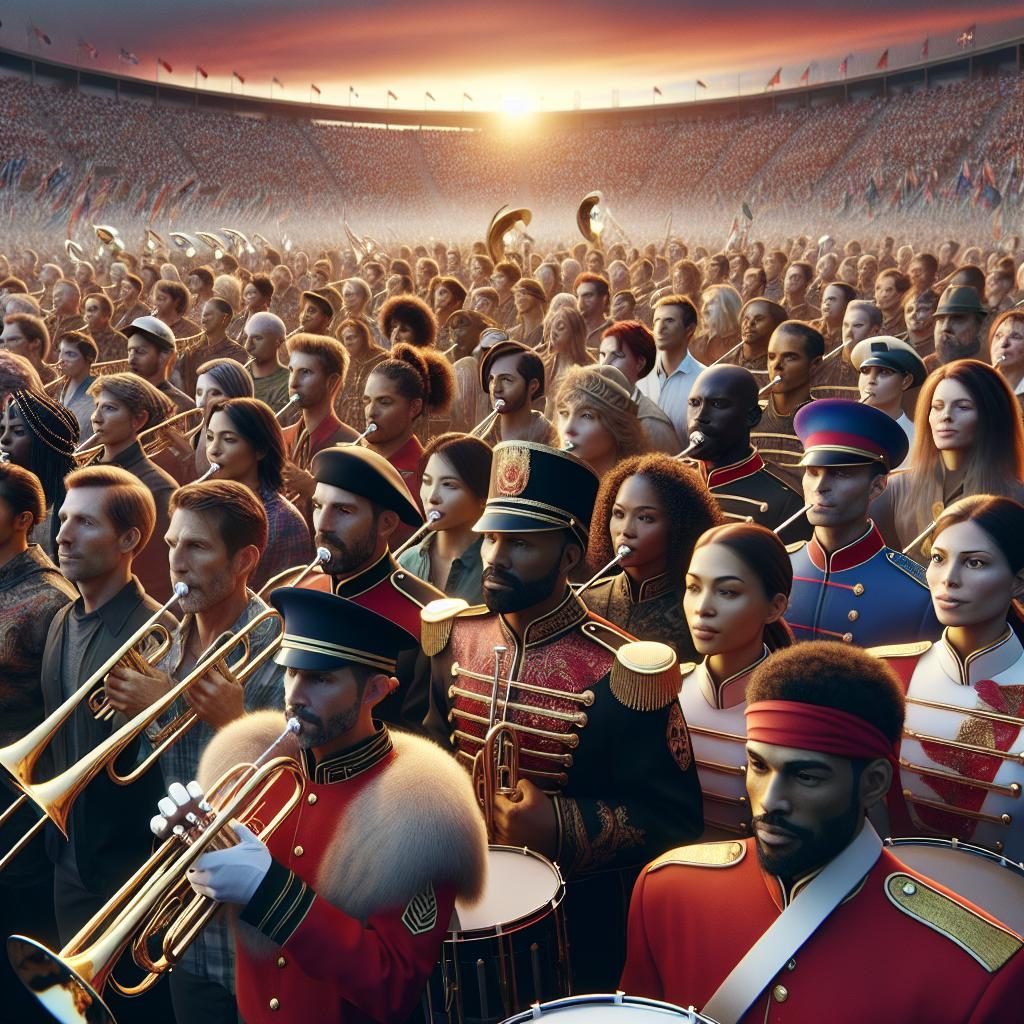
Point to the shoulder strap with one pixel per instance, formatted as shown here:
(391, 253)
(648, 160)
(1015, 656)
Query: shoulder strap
(793, 927)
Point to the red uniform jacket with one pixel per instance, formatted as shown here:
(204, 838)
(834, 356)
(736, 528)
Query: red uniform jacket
(900, 948)
(348, 922)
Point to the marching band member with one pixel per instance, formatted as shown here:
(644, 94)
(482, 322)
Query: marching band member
(806, 899)
(341, 914)
(847, 585)
(960, 760)
(607, 774)
(723, 409)
(656, 507)
(737, 589)
(359, 501)
(106, 519)
(216, 536)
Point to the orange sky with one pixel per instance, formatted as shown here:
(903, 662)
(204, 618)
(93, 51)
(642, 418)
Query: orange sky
(536, 53)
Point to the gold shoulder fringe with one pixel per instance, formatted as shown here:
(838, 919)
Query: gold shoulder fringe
(645, 676)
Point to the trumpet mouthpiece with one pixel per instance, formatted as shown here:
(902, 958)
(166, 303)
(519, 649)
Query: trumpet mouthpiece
(499, 404)
(433, 515)
(322, 555)
(293, 726)
(372, 428)
(214, 467)
(181, 590)
(622, 550)
(569, 446)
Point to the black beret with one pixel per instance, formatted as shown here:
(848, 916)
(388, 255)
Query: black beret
(362, 471)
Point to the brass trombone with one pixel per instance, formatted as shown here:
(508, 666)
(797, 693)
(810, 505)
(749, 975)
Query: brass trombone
(20, 758)
(156, 899)
(55, 796)
(496, 765)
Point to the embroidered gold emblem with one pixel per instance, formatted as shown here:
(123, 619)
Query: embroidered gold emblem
(420, 915)
(678, 738)
(512, 472)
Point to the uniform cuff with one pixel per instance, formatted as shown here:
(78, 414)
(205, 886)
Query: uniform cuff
(280, 904)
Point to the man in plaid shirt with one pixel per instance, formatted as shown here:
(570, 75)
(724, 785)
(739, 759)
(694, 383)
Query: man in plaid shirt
(216, 537)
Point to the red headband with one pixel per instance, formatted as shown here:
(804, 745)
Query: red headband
(790, 723)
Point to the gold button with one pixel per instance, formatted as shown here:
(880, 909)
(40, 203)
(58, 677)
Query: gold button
(780, 993)
(847, 638)
(311, 799)
(791, 966)
(298, 851)
(275, 1004)
(858, 589)
(281, 962)
(853, 616)
(909, 889)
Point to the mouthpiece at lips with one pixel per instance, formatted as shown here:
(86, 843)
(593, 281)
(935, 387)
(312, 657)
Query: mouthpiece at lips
(499, 405)
(622, 550)
(180, 589)
(569, 446)
(433, 515)
(371, 429)
(293, 725)
(322, 555)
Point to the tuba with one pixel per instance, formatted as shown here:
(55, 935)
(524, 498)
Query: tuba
(157, 904)
(503, 224)
(590, 218)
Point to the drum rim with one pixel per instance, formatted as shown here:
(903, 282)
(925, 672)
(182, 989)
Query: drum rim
(690, 1013)
(955, 844)
(517, 924)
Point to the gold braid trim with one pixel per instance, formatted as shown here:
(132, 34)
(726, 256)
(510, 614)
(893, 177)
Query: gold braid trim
(436, 620)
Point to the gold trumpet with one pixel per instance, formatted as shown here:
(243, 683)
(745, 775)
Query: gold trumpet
(480, 430)
(20, 758)
(55, 796)
(156, 901)
(154, 440)
(496, 766)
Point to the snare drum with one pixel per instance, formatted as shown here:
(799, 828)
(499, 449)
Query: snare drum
(509, 949)
(615, 1009)
(989, 881)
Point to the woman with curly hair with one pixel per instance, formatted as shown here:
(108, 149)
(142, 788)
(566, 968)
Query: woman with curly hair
(736, 591)
(565, 346)
(402, 393)
(407, 319)
(39, 434)
(245, 440)
(597, 418)
(968, 439)
(658, 508)
(363, 355)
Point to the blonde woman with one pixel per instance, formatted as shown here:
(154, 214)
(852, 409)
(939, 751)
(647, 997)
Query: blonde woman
(720, 318)
(565, 337)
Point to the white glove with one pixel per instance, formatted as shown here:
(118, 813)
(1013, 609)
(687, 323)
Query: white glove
(232, 875)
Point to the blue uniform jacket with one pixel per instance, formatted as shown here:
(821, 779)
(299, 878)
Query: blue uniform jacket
(866, 594)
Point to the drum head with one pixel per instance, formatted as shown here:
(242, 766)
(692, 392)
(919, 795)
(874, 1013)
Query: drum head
(608, 1009)
(986, 879)
(520, 886)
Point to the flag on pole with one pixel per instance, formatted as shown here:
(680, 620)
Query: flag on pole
(89, 49)
(883, 61)
(167, 67)
(924, 49)
(202, 71)
(844, 65)
(315, 88)
(277, 81)
(392, 96)
(127, 57)
(41, 36)
(964, 40)
(776, 79)
(239, 77)
(701, 85)
(430, 96)
(806, 76)
(963, 180)
(466, 96)
(657, 91)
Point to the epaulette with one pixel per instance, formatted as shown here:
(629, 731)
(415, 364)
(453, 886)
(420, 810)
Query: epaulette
(608, 636)
(437, 618)
(913, 650)
(703, 855)
(796, 546)
(908, 566)
(686, 667)
(412, 587)
(989, 943)
(644, 676)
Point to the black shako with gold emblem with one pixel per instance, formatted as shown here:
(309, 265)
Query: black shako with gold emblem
(348, 922)
(609, 745)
